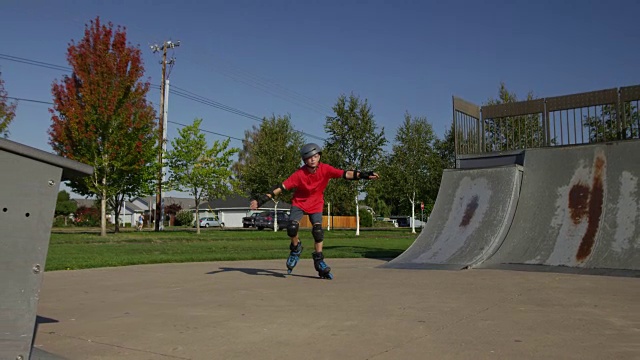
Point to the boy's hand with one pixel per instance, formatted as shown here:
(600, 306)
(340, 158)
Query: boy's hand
(369, 175)
(256, 203)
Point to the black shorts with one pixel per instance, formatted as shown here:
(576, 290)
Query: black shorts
(296, 215)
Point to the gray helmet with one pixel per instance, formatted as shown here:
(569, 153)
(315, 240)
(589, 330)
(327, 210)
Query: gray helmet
(309, 150)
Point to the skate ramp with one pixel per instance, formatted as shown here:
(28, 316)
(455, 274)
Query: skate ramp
(579, 209)
(470, 219)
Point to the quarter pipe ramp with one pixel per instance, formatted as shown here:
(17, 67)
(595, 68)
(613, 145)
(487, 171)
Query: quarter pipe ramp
(470, 219)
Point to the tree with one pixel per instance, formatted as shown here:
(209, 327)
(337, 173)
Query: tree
(87, 216)
(446, 149)
(201, 171)
(378, 196)
(511, 132)
(101, 117)
(7, 110)
(353, 143)
(184, 218)
(604, 127)
(270, 153)
(414, 166)
(65, 206)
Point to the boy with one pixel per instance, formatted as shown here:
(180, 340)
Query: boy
(309, 182)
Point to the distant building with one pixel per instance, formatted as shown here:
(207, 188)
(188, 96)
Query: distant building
(230, 210)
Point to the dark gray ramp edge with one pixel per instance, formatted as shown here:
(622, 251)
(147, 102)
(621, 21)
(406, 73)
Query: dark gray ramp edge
(29, 185)
(579, 209)
(470, 219)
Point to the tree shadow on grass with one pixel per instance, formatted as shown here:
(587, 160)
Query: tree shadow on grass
(259, 272)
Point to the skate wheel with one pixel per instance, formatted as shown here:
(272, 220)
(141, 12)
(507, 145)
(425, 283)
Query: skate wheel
(288, 271)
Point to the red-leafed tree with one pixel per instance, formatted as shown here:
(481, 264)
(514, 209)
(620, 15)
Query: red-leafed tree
(101, 117)
(7, 111)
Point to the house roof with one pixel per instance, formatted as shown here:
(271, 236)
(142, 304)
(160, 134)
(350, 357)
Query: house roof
(129, 206)
(185, 203)
(239, 202)
(232, 201)
(85, 202)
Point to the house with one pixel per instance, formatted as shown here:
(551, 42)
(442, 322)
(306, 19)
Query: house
(133, 208)
(230, 210)
(233, 208)
(147, 206)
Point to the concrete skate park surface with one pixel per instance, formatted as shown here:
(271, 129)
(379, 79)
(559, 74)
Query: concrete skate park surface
(253, 310)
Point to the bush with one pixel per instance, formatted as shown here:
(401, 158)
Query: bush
(384, 224)
(87, 216)
(184, 218)
(58, 221)
(366, 219)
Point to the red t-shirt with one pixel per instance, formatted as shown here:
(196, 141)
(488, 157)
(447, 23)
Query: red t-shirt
(309, 188)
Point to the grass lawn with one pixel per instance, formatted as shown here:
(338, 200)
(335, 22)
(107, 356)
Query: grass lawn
(72, 250)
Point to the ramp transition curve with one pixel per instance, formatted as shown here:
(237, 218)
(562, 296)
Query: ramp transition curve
(469, 221)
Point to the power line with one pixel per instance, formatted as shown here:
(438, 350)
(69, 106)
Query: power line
(33, 62)
(178, 92)
(201, 99)
(29, 100)
(275, 89)
(169, 121)
(207, 131)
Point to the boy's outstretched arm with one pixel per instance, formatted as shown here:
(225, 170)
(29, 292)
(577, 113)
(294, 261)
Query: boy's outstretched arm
(360, 175)
(263, 198)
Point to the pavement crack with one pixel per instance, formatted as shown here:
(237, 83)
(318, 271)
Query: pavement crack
(117, 346)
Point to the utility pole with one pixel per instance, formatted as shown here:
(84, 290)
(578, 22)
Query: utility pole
(159, 214)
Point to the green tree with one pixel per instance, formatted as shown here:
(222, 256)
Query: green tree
(366, 219)
(184, 218)
(604, 127)
(446, 149)
(202, 171)
(378, 194)
(414, 165)
(7, 110)
(511, 132)
(270, 153)
(65, 206)
(354, 143)
(101, 116)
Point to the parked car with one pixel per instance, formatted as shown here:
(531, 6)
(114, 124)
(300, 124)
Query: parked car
(401, 221)
(265, 220)
(210, 222)
(249, 221)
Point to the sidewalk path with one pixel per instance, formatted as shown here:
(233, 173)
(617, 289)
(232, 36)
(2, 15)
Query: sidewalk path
(253, 310)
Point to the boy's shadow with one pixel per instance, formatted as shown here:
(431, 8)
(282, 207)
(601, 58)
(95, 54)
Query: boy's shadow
(260, 272)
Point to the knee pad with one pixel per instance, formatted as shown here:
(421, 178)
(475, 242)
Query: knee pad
(318, 233)
(292, 229)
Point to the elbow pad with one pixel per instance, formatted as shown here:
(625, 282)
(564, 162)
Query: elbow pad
(355, 175)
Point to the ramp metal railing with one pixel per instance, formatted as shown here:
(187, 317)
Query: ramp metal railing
(583, 118)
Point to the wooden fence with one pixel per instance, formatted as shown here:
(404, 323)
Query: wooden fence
(345, 222)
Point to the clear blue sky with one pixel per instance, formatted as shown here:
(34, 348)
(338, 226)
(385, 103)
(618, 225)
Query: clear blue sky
(297, 57)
